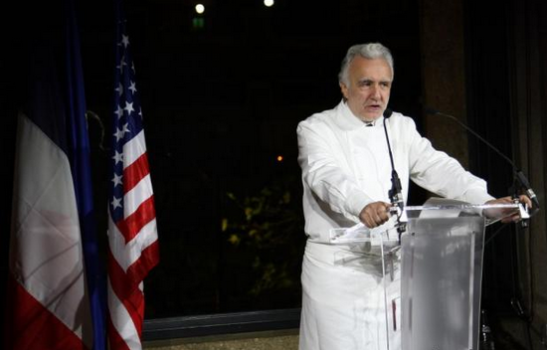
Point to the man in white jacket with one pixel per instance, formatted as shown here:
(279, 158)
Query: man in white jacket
(346, 174)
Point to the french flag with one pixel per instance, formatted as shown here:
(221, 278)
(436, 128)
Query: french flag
(56, 290)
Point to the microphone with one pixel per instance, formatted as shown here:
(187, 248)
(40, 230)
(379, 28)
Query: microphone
(395, 193)
(518, 174)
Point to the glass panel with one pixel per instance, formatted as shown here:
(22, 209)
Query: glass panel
(441, 282)
(380, 244)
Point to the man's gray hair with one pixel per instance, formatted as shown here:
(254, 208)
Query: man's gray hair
(369, 51)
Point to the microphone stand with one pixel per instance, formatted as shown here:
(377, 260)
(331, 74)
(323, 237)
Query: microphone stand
(520, 181)
(395, 193)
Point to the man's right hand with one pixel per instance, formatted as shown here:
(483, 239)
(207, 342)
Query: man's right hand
(375, 214)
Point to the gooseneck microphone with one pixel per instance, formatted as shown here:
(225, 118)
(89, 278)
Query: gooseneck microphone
(520, 178)
(395, 193)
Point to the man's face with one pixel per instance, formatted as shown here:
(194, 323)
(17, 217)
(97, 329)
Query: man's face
(369, 87)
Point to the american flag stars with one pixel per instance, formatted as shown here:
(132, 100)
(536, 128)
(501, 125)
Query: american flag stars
(122, 64)
(116, 203)
(133, 87)
(119, 89)
(125, 40)
(118, 157)
(119, 112)
(129, 107)
(120, 133)
(117, 180)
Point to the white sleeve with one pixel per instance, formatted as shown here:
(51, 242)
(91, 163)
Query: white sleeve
(320, 157)
(441, 174)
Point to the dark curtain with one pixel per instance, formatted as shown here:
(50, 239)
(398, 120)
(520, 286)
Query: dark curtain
(527, 29)
(506, 49)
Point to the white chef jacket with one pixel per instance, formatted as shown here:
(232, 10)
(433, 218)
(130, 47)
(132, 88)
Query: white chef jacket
(345, 166)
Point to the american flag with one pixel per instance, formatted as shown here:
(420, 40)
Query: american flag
(133, 238)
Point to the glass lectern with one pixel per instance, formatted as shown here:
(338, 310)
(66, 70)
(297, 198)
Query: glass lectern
(431, 272)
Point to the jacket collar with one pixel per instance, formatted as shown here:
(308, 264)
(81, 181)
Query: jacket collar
(347, 121)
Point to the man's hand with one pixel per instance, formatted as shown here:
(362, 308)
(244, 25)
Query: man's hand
(375, 214)
(507, 215)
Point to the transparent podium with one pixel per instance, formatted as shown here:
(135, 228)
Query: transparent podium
(432, 272)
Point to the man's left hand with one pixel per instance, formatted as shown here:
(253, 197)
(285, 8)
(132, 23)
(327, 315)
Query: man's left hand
(508, 215)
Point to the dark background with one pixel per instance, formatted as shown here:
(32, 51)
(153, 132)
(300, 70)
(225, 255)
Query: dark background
(222, 102)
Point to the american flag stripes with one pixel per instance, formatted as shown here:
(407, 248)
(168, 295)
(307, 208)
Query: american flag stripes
(133, 239)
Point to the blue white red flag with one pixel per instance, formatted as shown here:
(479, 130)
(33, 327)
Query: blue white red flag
(54, 295)
(132, 234)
